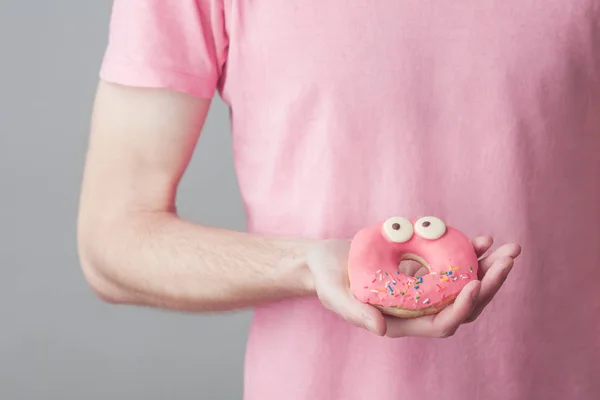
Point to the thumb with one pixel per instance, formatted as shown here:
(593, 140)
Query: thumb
(341, 301)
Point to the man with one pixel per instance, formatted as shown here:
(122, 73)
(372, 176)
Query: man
(484, 113)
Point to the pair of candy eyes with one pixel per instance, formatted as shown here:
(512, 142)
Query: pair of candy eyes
(400, 229)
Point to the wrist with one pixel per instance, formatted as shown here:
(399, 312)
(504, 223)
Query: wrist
(306, 279)
(296, 268)
(303, 273)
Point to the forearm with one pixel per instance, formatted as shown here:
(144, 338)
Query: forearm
(134, 248)
(159, 260)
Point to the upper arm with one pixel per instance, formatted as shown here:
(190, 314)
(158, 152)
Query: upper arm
(161, 68)
(140, 144)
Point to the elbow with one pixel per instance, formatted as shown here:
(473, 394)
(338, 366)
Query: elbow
(95, 267)
(99, 286)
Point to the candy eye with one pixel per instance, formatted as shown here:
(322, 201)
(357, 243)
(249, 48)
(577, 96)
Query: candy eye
(398, 229)
(430, 228)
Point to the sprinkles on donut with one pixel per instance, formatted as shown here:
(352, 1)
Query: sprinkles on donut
(377, 251)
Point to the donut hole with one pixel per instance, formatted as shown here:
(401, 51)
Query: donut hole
(412, 265)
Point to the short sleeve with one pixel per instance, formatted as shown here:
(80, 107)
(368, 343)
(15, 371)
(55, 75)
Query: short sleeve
(179, 45)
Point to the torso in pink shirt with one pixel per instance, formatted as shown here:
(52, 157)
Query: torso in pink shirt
(485, 113)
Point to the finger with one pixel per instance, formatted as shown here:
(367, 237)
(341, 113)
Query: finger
(412, 268)
(449, 319)
(441, 325)
(491, 284)
(341, 301)
(511, 250)
(401, 327)
(482, 244)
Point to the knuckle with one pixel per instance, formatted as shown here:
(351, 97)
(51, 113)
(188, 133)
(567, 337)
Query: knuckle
(446, 332)
(327, 303)
(341, 311)
(472, 317)
(351, 319)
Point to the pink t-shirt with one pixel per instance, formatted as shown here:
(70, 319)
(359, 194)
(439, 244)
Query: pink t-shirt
(484, 113)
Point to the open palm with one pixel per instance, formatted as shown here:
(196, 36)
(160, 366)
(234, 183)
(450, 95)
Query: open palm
(475, 296)
(328, 262)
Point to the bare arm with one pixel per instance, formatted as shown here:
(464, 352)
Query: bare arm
(133, 246)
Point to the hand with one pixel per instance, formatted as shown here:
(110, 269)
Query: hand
(328, 263)
(471, 301)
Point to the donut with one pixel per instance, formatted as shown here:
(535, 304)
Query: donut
(377, 251)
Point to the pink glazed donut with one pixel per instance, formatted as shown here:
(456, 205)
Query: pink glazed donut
(376, 253)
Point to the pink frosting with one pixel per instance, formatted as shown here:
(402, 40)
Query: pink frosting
(376, 279)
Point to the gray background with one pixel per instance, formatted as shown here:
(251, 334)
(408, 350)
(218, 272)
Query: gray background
(57, 341)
